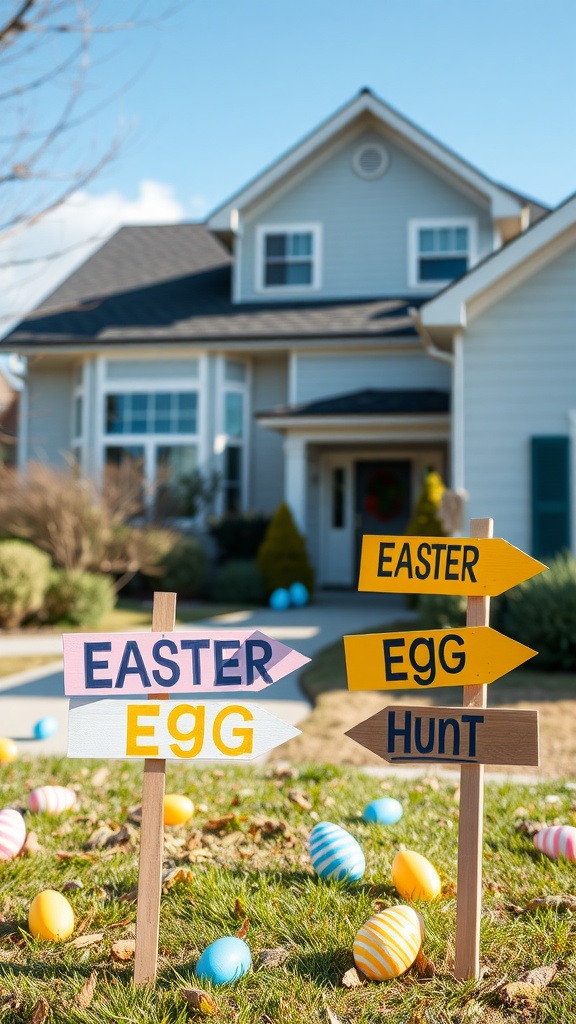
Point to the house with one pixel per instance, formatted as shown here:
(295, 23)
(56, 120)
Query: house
(310, 342)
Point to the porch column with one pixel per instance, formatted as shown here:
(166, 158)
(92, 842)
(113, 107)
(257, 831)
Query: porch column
(295, 479)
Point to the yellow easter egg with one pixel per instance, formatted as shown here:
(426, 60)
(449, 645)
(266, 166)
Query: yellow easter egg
(177, 809)
(388, 943)
(8, 751)
(50, 916)
(414, 877)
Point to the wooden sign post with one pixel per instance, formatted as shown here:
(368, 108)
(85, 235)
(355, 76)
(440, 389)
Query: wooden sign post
(158, 665)
(471, 736)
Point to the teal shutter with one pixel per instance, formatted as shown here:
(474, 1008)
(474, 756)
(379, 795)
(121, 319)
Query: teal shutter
(550, 495)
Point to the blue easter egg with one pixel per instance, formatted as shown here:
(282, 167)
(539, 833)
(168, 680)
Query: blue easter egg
(335, 853)
(224, 960)
(45, 727)
(384, 811)
(299, 595)
(280, 599)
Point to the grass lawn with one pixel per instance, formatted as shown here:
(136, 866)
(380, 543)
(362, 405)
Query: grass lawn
(130, 614)
(10, 665)
(245, 862)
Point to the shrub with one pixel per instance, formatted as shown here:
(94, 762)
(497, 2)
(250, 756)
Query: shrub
(239, 581)
(425, 521)
(24, 572)
(282, 557)
(440, 611)
(185, 568)
(239, 537)
(541, 614)
(78, 598)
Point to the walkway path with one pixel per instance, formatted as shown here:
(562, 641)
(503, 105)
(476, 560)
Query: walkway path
(29, 696)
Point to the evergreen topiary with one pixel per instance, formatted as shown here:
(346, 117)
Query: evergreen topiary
(541, 614)
(185, 568)
(238, 580)
(425, 521)
(282, 557)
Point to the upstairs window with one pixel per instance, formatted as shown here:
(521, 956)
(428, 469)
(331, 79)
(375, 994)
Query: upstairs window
(288, 257)
(440, 251)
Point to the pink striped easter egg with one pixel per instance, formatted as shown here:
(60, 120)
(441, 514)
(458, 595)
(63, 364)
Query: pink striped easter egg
(557, 841)
(51, 799)
(12, 833)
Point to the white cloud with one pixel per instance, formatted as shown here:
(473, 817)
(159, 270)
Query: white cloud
(72, 232)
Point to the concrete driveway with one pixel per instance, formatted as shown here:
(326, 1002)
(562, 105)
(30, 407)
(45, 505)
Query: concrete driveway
(29, 696)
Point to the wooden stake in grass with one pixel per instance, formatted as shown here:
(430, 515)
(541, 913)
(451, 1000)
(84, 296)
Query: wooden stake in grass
(469, 901)
(152, 832)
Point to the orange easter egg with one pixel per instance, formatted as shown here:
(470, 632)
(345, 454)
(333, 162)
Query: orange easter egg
(178, 809)
(50, 916)
(414, 877)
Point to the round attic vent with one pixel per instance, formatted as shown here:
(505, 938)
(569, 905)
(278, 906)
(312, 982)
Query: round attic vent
(370, 161)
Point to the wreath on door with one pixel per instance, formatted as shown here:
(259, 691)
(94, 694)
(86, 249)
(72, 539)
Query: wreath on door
(384, 495)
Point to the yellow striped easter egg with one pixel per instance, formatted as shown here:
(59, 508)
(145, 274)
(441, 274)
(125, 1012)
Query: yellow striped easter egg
(388, 944)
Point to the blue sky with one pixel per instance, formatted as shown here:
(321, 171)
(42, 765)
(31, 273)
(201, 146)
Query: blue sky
(223, 87)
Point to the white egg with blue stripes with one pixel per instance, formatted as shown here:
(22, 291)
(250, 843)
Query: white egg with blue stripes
(335, 853)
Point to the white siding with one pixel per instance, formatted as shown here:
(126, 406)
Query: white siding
(520, 381)
(340, 373)
(269, 388)
(50, 415)
(364, 223)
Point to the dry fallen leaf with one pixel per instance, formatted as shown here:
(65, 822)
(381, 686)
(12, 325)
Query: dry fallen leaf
(174, 875)
(98, 838)
(197, 999)
(239, 909)
(566, 902)
(216, 824)
(273, 957)
(529, 985)
(332, 1016)
(40, 1011)
(353, 978)
(86, 940)
(123, 949)
(298, 797)
(84, 997)
(129, 897)
(31, 846)
(99, 777)
(76, 883)
(424, 966)
(243, 930)
(11, 1001)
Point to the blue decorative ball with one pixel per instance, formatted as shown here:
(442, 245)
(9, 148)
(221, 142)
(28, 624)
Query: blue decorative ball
(45, 727)
(299, 595)
(335, 853)
(224, 960)
(384, 811)
(280, 600)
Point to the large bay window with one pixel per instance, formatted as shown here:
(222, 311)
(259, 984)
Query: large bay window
(152, 436)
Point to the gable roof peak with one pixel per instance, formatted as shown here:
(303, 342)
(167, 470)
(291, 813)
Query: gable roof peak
(504, 205)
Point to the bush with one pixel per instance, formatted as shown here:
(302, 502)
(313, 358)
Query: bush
(239, 581)
(425, 521)
(541, 613)
(282, 557)
(78, 598)
(440, 611)
(239, 537)
(24, 572)
(185, 568)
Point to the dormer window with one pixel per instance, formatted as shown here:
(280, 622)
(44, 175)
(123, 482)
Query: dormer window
(288, 257)
(439, 251)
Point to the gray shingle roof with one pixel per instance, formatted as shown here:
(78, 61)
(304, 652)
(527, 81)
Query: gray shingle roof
(370, 402)
(172, 283)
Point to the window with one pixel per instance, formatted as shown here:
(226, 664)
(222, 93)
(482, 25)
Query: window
(288, 257)
(164, 412)
(440, 251)
(234, 383)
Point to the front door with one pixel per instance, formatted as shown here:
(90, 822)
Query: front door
(382, 498)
